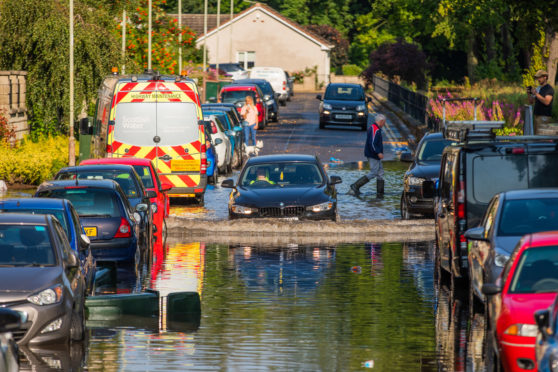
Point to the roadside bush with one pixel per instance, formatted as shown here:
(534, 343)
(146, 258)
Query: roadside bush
(7, 133)
(33, 162)
(351, 70)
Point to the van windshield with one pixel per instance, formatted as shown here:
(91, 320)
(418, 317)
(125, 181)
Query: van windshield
(136, 123)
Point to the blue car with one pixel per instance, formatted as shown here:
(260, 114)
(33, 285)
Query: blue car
(107, 217)
(66, 214)
(211, 161)
(234, 133)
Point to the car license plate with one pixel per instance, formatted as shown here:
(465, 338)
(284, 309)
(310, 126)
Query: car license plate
(185, 165)
(340, 116)
(291, 218)
(90, 231)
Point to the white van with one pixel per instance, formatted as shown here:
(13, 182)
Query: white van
(276, 77)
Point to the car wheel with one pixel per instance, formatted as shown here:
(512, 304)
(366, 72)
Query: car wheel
(322, 125)
(229, 168)
(404, 208)
(77, 325)
(476, 305)
(200, 199)
(236, 159)
(211, 180)
(283, 103)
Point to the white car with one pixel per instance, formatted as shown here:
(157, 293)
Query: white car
(231, 70)
(276, 77)
(220, 142)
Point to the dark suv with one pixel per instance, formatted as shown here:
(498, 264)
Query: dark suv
(344, 104)
(471, 173)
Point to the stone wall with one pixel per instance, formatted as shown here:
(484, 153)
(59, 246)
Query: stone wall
(12, 100)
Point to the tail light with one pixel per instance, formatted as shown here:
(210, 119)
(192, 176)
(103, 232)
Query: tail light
(203, 165)
(284, 85)
(461, 221)
(124, 230)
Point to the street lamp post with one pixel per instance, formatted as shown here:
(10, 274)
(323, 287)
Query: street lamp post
(231, 32)
(72, 140)
(217, 41)
(179, 37)
(149, 38)
(123, 41)
(204, 49)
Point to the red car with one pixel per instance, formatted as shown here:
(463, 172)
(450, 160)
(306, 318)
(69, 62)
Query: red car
(236, 94)
(145, 169)
(529, 282)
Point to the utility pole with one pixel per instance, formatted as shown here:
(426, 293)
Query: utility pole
(231, 31)
(217, 41)
(72, 140)
(179, 37)
(149, 38)
(123, 41)
(204, 50)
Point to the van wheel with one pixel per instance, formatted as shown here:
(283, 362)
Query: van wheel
(200, 199)
(211, 180)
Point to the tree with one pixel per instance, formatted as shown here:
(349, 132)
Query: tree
(400, 59)
(34, 37)
(340, 51)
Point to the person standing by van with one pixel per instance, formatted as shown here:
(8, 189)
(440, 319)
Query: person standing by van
(542, 97)
(374, 152)
(249, 113)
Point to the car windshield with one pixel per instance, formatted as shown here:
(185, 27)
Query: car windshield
(281, 175)
(123, 178)
(25, 245)
(344, 93)
(537, 271)
(235, 96)
(175, 123)
(88, 202)
(525, 216)
(145, 175)
(431, 150)
(59, 214)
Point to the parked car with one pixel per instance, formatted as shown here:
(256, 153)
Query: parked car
(40, 277)
(220, 142)
(283, 186)
(231, 70)
(146, 170)
(529, 282)
(425, 166)
(211, 161)
(276, 77)
(107, 217)
(290, 85)
(472, 171)
(344, 104)
(66, 214)
(269, 96)
(130, 182)
(509, 216)
(10, 320)
(229, 108)
(546, 344)
(233, 132)
(236, 94)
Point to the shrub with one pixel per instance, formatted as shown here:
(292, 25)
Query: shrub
(351, 70)
(7, 133)
(33, 162)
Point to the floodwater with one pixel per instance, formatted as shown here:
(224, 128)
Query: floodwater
(291, 307)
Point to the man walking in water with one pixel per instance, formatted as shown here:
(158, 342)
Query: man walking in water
(374, 152)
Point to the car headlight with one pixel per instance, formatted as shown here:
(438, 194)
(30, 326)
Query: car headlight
(415, 181)
(154, 207)
(524, 330)
(320, 207)
(361, 108)
(47, 297)
(240, 209)
(327, 106)
(500, 259)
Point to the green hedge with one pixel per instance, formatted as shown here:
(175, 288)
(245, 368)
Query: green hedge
(351, 70)
(33, 162)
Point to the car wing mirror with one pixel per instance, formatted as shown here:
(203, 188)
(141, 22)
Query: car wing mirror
(73, 260)
(218, 141)
(150, 194)
(141, 207)
(542, 318)
(334, 180)
(406, 156)
(228, 183)
(319, 96)
(476, 233)
(84, 242)
(428, 189)
(491, 289)
(165, 187)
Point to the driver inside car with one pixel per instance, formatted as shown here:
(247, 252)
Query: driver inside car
(262, 176)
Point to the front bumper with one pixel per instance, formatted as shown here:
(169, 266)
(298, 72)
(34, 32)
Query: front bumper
(416, 203)
(344, 117)
(289, 213)
(516, 351)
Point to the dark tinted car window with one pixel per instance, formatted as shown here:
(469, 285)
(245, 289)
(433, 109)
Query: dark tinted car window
(145, 175)
(25, 245)
(346, 93)
(124, 179)
(59, 214)
(542, 170)
(494, 174)
(536, 271)
(520, 217)
(88, 202)
(431, 150)
(233, 96)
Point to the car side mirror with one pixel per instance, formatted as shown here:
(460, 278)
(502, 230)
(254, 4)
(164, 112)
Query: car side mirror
(406, 156)
(267, 97)
(84, 126)
(218, 141)
(73, 260)
(319, 96)
(542, 318)
(84, 242)
(491, 289)
(150, 194)
(475, 233)
(334, 180)
(228, 183)
(165, 187)
(141, 207)
(428, 189)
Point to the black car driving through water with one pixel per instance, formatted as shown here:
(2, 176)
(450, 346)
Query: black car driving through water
(424, 167)
(284, 186)
(344, 104)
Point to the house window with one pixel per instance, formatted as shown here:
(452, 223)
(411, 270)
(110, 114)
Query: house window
(246, 59)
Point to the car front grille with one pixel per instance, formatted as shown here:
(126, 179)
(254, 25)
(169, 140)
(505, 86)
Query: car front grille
(282, 212)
